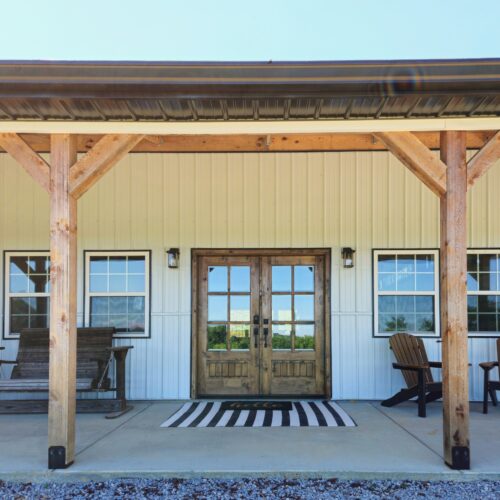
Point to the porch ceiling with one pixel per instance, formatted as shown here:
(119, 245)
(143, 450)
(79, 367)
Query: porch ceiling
(186, 92)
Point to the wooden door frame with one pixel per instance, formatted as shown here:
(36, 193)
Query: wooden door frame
(197, 253)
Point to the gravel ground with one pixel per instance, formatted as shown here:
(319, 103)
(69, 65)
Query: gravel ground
(252, 488)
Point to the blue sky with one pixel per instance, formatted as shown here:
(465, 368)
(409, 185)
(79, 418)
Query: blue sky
(225, 30)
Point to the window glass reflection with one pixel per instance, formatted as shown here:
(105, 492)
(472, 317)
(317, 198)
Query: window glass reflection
(217, 308)
(217, 279)
(304, 337)
(240, 308)
(386, 263)
(304, 307)
(282, 337)
(282, 308)
(117, 265)
(304, 278)
(98, 265)
(216, 337)
(282, 278)
(239, 337)
(240, 278)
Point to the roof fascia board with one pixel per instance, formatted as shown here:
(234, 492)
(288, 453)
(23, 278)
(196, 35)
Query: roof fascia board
(249, 127)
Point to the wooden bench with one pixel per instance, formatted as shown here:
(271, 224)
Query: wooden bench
(95, 357)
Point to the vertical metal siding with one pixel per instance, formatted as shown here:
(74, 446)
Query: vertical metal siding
(158, 201)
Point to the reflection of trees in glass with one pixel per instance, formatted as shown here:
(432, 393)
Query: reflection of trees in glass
(281, 341)
(306, 342)
(217, 337)
(240, 341)
(396, 324)
(426, 325)
(399, 324)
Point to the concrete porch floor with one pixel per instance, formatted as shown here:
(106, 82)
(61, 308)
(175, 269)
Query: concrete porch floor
(388, 443)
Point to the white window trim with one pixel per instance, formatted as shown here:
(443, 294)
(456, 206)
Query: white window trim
(7, 294)
(376, 293)
(146, 294)
(484, 251)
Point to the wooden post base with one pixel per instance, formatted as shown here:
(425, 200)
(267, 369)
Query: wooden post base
(57, 458)
(460, 458)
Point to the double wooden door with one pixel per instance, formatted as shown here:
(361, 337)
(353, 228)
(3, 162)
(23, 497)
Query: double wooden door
(260, 324)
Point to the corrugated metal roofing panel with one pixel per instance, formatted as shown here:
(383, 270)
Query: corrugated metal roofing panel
(82, 109)
(248, 91)
(334, 107)
(240, 109)
(206, 109)
(115, 109)
(176, 109)
(146, 109)
(270, 108)
(490, 106)
(20, 109)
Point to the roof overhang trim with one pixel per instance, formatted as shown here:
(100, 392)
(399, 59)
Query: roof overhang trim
(249, 127)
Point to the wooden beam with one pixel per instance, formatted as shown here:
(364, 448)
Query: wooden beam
(455, 371)
(101, 158)
(32, 162)
(418, 158)
(256, 143)
(483, 159)
(62, 363)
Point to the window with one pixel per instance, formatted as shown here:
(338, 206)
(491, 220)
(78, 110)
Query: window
(117, 291)
(483, 292)
(229, 299)
(26, 291)
(406, 292)
(292, 308)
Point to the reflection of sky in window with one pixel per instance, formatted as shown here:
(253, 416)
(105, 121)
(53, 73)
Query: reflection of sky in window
(405, 263)
(217, 308)
(414, 273)
(240, 278)
(304, 307)
(282, 308)
(282, 278)
(217, 279)
(240, 308)
(304, 278)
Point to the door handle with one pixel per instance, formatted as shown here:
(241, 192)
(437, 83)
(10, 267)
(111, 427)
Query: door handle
(256, 336)
(266, 333)
(256, 321)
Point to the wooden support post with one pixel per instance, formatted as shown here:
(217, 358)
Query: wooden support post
(454, 302)
(62, 366)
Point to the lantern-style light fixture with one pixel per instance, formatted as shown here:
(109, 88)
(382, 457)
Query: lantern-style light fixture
(173, 258)
(348, 257)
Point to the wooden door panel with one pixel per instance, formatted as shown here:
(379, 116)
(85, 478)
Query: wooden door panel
(295, 370)
(227, 370)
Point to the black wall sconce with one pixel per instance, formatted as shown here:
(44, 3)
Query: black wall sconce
(348, 257)
(173, 258)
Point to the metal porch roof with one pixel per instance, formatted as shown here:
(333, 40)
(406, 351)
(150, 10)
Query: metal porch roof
(150, 91)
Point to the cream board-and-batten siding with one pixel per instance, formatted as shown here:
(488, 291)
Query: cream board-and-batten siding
(156, 201)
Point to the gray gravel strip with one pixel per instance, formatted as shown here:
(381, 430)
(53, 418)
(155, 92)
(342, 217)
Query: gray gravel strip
(251, 488)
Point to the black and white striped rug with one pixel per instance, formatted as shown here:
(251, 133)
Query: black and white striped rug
(227, 414)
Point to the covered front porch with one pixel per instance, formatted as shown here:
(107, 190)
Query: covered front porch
(387, 444)
(86, 129)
